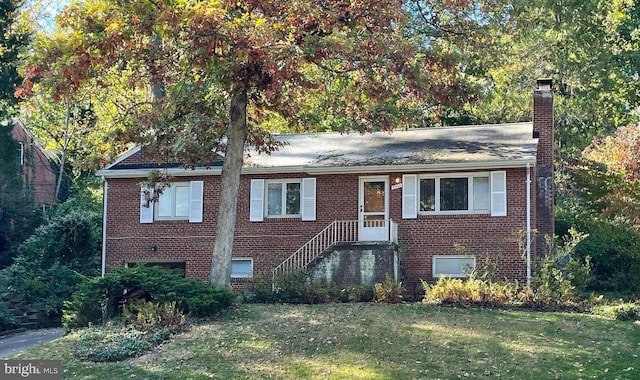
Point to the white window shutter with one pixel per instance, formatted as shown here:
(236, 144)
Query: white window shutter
(409, 196)
(146, 208)
(196, 193)
(256, 205)
(308, 199)
(499, 193)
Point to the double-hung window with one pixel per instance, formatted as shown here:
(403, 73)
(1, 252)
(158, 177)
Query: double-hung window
(179, 201)
(283, 198)
(173, 203)
(454, 194)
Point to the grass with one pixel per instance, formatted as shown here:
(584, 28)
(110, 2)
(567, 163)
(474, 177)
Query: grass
(378, 341)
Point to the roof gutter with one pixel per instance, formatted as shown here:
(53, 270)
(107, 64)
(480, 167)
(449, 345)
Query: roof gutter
(528, 203)
(105, 197)
(311, 170)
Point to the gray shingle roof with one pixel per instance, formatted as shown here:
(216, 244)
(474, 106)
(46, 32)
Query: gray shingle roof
(483, 143)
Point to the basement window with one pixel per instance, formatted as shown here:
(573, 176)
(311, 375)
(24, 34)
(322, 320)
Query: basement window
(241, 268)
(453, 266)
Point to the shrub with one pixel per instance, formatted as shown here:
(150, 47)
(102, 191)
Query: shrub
(614, 253)
(388, 291)
(292, 287)
(114, 343)
(356, 293)
(260, 291)
(48, 287)
(489, 293)
(621, 312)
(7, 321)
(297, 287)
(71, 239)
(445, 290)
(51, 262)
(148, 316)
(96, 300)
(204, 300)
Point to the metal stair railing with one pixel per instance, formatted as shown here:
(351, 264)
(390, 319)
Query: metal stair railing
(338, 231)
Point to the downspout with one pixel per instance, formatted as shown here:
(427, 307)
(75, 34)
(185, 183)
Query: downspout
(528, 249)
(105, 193)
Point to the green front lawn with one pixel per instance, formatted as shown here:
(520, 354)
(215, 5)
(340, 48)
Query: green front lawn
(378, 341)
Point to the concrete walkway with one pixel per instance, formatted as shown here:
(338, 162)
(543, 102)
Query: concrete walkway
(15, 343)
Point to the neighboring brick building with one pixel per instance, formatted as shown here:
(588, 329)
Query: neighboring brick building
(38, 173)
(451, 198)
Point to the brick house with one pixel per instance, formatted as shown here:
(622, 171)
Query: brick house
(428, 192)
(39, 175)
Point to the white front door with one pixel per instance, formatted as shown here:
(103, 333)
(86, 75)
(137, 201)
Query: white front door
(374, 209)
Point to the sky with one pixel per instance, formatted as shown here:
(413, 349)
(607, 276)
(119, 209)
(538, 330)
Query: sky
(44, 12)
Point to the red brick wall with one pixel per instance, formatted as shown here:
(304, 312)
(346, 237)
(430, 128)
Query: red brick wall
(37, 167)
(273, 240)
(498, 239)
(543, 125)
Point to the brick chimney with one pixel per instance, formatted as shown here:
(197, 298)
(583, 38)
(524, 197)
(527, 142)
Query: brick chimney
(543, 130)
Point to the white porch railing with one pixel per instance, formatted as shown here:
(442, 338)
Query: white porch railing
(339, 231)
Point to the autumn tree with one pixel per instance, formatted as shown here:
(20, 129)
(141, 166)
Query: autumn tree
(216, 72)
(589, 49)
(13, 39)
(608, 175)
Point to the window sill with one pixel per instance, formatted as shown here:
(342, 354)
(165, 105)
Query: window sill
(282, 218)
(453, 213)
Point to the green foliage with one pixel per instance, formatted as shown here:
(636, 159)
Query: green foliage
(292, 287)
(99, 299)
(614, 254)
(356, 293)
(316, 292)
(7, 321)
(18, 217)
(72, 239)
(51, 262)
(297, 287)
(573, 44)
(48, 287)
(559, 273)
(13, 40)
(260, 291)
(115, 343)
(202, 300)
(388, 291)
(623, 311)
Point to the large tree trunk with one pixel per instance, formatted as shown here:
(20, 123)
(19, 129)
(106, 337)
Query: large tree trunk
(230, 183)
